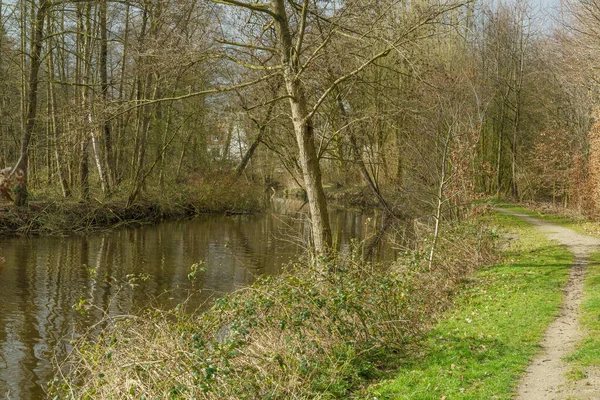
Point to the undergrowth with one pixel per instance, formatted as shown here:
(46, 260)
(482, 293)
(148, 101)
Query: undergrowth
(315, 331)
(54, 215)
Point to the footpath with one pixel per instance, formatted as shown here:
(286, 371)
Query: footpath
(546, 376)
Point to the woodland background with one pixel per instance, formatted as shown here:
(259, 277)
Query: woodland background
(424, 105)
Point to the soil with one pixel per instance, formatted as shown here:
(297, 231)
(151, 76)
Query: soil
(546, 377)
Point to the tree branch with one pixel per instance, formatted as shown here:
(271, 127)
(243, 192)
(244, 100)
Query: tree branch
(302, 28)
(253, 7)
(341, 79)
(246, 45)
(225, 89)
(252, 66)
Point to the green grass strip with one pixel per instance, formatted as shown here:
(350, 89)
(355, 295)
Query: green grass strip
(578, 223)
(482, 346)
(587, 352)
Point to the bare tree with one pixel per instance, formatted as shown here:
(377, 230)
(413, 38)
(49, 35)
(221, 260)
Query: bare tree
(42, 8)
(298, 50)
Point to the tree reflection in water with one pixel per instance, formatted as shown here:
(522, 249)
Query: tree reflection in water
(52, 287)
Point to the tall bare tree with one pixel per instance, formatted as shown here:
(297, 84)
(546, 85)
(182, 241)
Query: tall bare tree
(43, 7)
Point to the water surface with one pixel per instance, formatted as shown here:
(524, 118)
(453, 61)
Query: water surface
(54, 287)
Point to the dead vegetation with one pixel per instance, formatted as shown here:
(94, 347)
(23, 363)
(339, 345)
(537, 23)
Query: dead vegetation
(58, 217)
(312, 332)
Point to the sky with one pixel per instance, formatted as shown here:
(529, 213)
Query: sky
(546, 13)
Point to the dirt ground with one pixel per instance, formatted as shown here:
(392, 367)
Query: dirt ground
(546, 377)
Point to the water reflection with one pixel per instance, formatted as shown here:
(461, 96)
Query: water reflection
(43, 279)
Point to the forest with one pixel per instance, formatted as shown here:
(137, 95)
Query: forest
(135, 111)
(424, 105)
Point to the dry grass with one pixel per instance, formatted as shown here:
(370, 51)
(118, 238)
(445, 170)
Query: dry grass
(312, 332)
(54, 215)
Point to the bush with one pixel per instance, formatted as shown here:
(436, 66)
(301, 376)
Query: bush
(313, 331)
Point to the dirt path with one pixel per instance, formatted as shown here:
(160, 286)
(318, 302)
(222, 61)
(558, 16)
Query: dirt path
(545, 378)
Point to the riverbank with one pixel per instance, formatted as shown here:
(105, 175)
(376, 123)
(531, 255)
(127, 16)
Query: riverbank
(333, 331)
(52, 215)
(356, 197)
(58, 216)
(309, 332)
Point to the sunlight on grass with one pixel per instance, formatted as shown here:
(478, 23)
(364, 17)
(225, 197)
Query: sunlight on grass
(479, 350)
(587, 353)
(563, 217)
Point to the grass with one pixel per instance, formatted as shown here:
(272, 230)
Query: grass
(559, 216)
(480, 349)
(587, 352)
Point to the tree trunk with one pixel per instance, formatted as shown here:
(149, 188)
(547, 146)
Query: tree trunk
(36, 50)
(262, 128)
(91, 124)
(85, 50)
(500, 141)
(304, 132)
(66, 191)
(84, 170)
(116, 168)
(519, 86)
(359, 160)
(440, 199)
(108, 161)
(98, 156)
(248, 154)
(165, 131)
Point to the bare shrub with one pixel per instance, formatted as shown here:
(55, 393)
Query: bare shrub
(312, 332)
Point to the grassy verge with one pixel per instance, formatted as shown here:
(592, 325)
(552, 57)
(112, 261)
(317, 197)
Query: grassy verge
(564, 217)
(587, 353)
(479, 350)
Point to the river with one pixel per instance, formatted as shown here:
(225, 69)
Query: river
(54, 287)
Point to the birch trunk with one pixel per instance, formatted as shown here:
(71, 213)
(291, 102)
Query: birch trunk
(108, 152)
(440, 199)
(516, 127)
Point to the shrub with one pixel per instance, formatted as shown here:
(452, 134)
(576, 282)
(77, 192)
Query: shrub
(313, 331)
